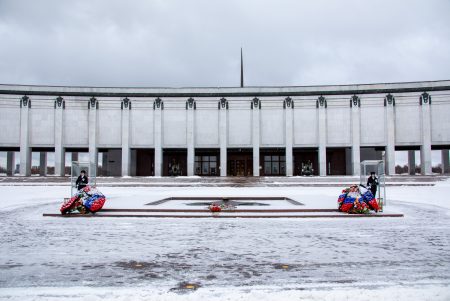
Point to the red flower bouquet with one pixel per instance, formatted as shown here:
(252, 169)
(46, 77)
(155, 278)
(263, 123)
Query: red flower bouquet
(360, 207)
(214, 208)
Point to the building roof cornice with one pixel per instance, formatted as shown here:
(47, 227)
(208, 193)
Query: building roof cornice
(226, 91)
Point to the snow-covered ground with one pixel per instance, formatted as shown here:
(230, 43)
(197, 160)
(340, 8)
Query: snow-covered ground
(43, 258)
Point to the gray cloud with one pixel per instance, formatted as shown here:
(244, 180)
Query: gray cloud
(197, 43)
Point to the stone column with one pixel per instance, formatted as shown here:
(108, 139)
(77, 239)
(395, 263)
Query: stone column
(445, 161)
(256, 106)
(389, 103)
(190, 107)
(158, 106)
(93, 151)
(425, 148)
(289, 119)
(126, 107)
(25, 149)
(10, 156)
(355, 104)
(223, 135)
(43, 164)
(60, 161)
(321, 105)
(412, 162)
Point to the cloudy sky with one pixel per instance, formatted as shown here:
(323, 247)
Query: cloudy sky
(197, 43)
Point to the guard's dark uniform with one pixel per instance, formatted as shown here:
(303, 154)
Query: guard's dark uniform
(81, 182)
(372, 184)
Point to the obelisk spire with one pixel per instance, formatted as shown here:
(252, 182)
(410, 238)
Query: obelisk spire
(242, 70)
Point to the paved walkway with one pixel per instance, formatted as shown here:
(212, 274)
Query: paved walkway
(224, 181)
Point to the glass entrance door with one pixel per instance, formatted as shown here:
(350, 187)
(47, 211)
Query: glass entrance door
(240, 168)
(240, 162)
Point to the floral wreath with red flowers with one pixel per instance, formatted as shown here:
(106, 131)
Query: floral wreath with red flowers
(215, 208)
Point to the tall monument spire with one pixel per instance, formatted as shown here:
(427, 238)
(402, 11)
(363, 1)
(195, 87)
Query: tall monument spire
(242, 70)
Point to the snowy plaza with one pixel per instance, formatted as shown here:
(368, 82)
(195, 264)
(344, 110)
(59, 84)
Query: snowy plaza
(54, 258)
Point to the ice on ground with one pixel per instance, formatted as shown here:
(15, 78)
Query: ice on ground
(45, 258)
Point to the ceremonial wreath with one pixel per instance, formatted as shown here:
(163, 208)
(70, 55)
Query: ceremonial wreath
(86, 200)
(357, 199)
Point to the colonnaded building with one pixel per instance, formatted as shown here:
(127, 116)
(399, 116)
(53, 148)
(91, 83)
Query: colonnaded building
(248, 131)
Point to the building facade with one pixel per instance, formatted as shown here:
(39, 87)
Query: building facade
(250, 131)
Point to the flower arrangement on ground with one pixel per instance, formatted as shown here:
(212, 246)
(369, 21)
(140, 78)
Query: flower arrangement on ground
(357, 199)
(86, 200)
(215, 208)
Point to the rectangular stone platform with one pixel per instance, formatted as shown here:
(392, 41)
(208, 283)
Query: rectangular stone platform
(248, 213)
(225, 211)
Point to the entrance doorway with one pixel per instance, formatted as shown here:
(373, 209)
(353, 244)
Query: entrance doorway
(305, 161)
(240, 162)
(142, 162)
(273, 162)
(109, 162)
(174, 162)
(337, 161)
(207, 162)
